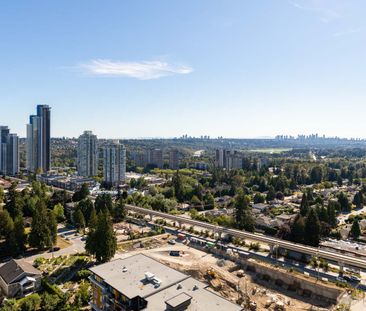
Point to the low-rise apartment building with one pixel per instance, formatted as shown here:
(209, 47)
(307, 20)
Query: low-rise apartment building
(142, 283)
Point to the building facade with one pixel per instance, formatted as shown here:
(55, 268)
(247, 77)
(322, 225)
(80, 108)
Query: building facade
(38, 140)
(87, 154)
(173, 159)
(228, 159)
(9, 152)
(114, 166)
(155, 157)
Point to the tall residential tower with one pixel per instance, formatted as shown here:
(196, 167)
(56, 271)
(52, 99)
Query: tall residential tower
(38, 140)
(9, 152)
(114, 168)
(87, 162)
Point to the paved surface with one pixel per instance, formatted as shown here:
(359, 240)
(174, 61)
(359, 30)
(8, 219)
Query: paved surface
(77, 245)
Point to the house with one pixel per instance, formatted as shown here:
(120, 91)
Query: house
(260, 207)
(19, 278)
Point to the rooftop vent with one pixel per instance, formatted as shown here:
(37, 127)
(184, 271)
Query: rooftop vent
(195, 287)
(156, 282)
(124, 269)
(149, 276)
(178, 303)
(179, 286)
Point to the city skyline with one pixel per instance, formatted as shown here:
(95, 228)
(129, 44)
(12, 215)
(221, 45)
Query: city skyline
(132, 70)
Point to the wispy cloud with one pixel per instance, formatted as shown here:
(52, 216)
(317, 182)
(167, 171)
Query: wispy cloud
(144, 70)
(326, 15)
(347, 32)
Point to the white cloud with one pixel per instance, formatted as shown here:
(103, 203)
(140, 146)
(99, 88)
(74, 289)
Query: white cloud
(144, 70)
(325, 14)
(347, 32)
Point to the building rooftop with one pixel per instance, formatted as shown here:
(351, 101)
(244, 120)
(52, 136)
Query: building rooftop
(139, 275)
(196, 292)
(13, 269)
(128, 275)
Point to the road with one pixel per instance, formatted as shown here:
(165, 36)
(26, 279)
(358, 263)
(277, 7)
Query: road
(77, 245)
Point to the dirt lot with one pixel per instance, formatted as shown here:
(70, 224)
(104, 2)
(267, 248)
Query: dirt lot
(223, 277)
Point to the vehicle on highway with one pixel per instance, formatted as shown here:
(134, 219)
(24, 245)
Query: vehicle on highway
(341, 279)
(355, 279)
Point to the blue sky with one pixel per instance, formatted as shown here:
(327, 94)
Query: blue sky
(166, 68)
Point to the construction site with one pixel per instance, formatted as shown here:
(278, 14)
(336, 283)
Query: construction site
(248, 282)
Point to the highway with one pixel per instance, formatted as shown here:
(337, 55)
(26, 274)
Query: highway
(340, 259)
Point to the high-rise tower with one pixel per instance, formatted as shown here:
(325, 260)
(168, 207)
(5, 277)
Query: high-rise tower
(87, 162)
(39, 140)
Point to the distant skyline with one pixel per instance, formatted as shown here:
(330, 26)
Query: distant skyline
(238, 69)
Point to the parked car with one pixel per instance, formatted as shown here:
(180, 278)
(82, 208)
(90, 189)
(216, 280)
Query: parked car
(174, 253)
(172, 242)
(55, 249)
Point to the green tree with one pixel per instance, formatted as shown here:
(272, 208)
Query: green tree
(78, 219)
(50, 302)
(81, 194)
(14, 202)
(40, 236)
(298, 229)
(358, 199)
(86, 207)
(258, 198)
(271, 194)
(344, 203)
(209, 201)
(52, 226)
(2, 195)
(58, 211)
(119, 211)
(332, 217)
(19, 235)
(304, 206)
(6, 223)
(312, 228)
(178, 186)
(104, 203)
(355, 229)
(102, 242)
(316, 175)
(243, 216)
(92, 223)
(9, 305)
(31, 303)
(82, 296)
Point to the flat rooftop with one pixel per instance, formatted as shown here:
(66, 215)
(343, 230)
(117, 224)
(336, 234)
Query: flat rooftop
(132, 282)
(202, 298)
(128, 277)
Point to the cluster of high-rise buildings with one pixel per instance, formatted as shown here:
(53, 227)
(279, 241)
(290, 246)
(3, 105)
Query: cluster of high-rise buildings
(155, 157)
(114, 159)
(37, 145)
(229, 159)
(38, 151)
